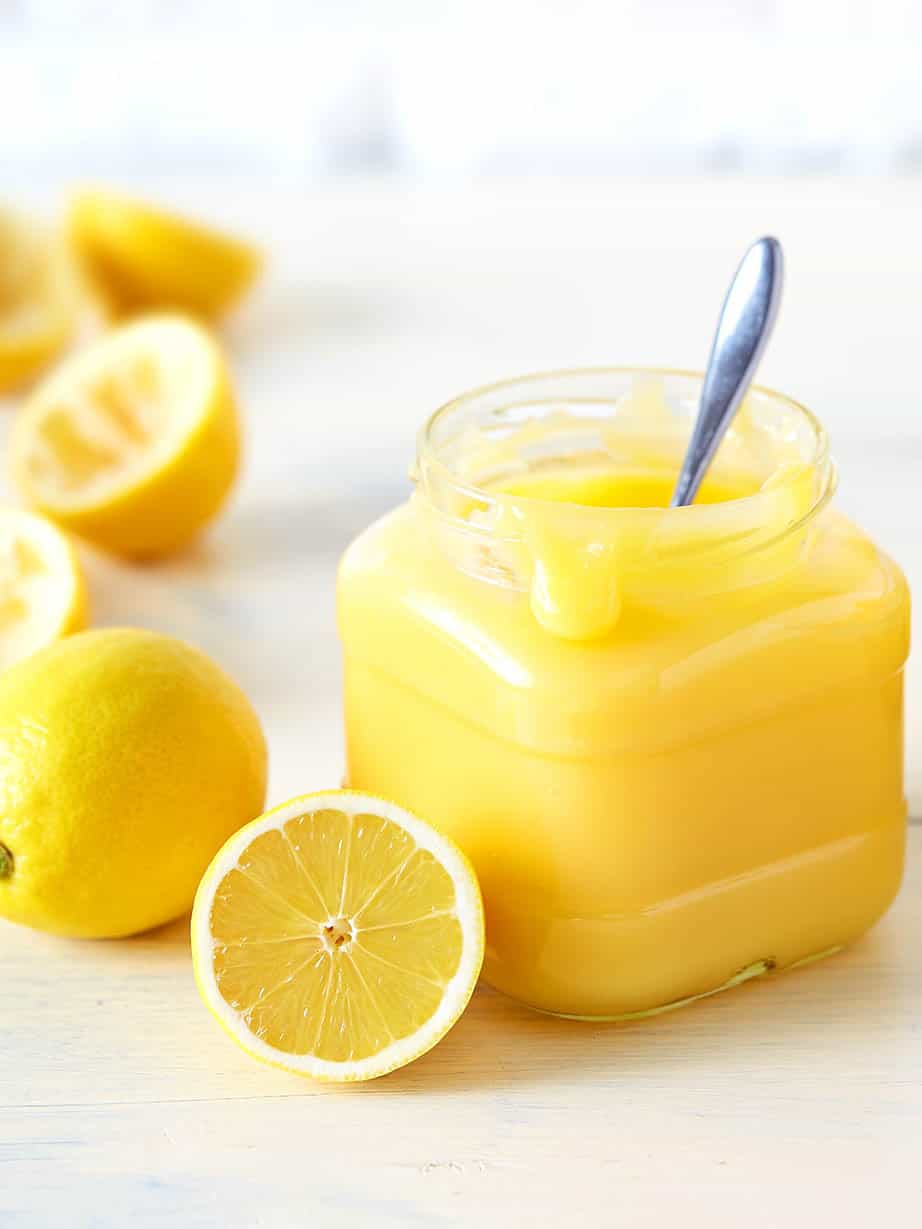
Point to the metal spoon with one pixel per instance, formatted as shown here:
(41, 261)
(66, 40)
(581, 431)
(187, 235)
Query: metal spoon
(743, 330)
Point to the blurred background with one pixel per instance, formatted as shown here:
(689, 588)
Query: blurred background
(295, 90)
(454, 192)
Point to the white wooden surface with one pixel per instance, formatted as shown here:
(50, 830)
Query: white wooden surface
(795, 1102)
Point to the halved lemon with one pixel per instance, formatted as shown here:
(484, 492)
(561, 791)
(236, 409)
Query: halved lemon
(133, 443)
(139, 257)
(42, 590)
(338, 936)
(36, 300)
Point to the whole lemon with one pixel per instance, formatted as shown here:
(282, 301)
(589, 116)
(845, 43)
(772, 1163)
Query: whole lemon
(127, 758)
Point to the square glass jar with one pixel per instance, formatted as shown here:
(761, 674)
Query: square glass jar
(670, 740)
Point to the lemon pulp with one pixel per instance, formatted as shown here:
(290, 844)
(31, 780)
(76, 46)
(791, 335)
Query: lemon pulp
(134, 443)
(117, 417)
(335, 941)
(42, 591)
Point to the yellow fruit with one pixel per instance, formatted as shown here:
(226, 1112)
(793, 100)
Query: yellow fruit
(42, 590)
(133, 443)
(36, 301)
(338, 936)
(127, 758)
(138, 257)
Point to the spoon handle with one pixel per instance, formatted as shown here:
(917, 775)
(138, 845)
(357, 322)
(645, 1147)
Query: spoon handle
(745, 324)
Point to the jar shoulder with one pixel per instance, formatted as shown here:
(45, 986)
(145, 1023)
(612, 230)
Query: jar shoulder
(407, 612)
(843, 581)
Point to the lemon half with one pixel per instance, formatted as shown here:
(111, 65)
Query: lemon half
(133, 443)
(338, 936)
(42, 589)
(138, 257)
(36, 301)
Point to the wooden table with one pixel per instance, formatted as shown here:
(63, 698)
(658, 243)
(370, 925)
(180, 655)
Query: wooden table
(796, 1101)
(792, 1101)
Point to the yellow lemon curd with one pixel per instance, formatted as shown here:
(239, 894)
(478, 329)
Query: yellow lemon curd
(670, 740)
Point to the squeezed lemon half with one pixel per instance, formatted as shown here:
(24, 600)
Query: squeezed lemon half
(133, 443)
(42, 590)
(338, 936)
(36, 301)
(138, 257)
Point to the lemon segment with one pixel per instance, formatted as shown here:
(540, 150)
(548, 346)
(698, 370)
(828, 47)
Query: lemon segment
(135, 442)
(42, 589)
(128, 759)
(138, 257)
(36, 301)
(338, 936)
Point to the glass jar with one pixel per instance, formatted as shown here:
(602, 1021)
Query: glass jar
(670, 740)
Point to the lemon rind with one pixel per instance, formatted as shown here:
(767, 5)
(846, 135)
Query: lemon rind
(109, 228)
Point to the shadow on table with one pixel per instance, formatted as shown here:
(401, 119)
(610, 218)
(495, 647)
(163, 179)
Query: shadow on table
(164, 945)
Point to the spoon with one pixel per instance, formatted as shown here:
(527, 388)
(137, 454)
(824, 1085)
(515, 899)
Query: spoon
(743, 329)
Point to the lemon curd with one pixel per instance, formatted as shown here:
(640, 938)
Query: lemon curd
(670, 740)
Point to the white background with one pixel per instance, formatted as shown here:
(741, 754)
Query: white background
(290, 90)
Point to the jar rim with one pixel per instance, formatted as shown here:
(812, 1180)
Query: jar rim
(427, 454)
(442, 487)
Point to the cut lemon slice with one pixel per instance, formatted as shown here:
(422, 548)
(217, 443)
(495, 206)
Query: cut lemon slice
(338, 936)
(133, 443)
(42, 591)
(139, 257)
(36, 301)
